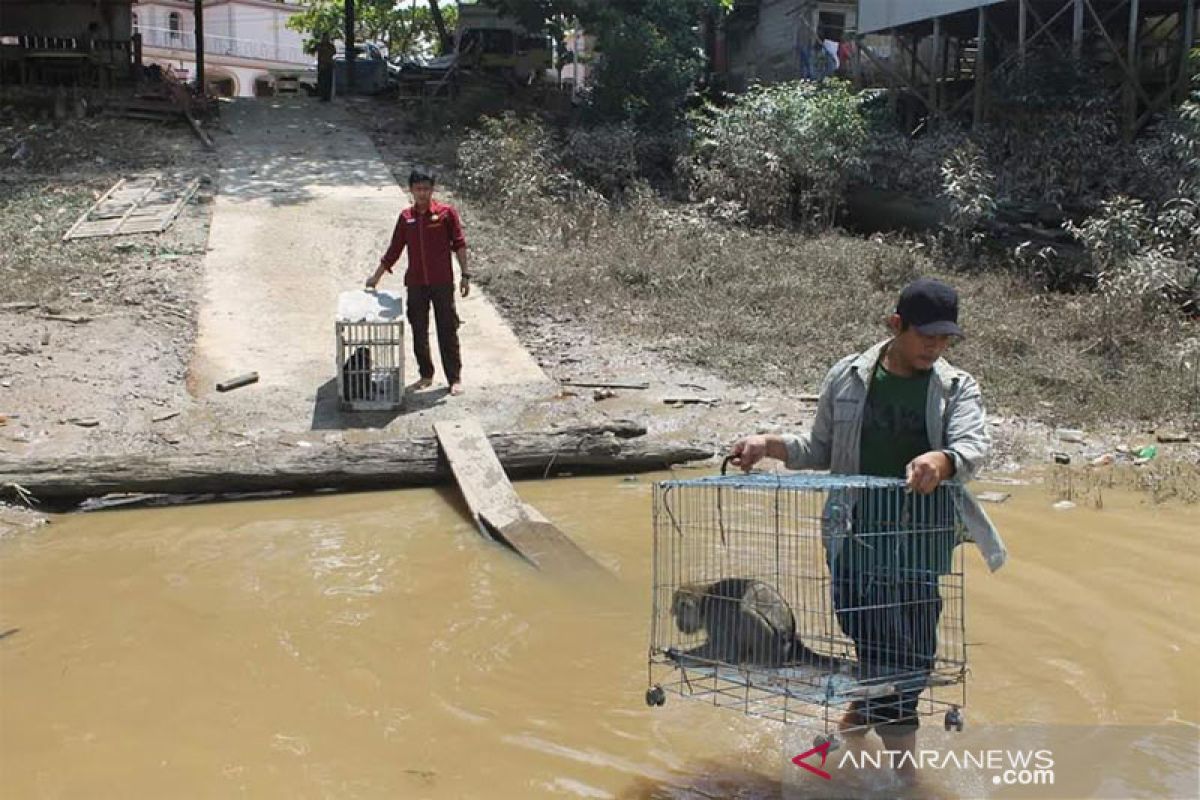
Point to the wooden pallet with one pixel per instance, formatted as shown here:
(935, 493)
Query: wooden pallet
(138, 204)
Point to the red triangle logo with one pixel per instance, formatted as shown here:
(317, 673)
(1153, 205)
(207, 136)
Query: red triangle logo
(823, 750)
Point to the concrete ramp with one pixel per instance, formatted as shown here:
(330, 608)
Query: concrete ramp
(305, 209)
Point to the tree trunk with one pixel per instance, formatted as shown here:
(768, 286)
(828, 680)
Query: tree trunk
(615, 447)
(446, 44)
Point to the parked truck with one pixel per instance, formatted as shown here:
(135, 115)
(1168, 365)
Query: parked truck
(487, 46)
(485, 39)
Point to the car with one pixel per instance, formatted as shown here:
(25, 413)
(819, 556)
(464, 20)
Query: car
(370, 69)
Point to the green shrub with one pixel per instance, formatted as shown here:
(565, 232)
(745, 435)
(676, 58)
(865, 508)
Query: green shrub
(970, 190)
(783, 153)
(508, 160)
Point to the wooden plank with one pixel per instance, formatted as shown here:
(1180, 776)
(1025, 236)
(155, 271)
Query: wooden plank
(1131, 49)
(1077, 31)
(1022, 30)
(1188, 34)
(583, 384)
(542, 544)
(495, 505)
(238, 382)
(477, 470)
(92, 228)
(201, 134)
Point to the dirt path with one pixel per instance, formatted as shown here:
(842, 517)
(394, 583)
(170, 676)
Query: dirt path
(305, 208)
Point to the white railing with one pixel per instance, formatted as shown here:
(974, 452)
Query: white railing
(223, 46)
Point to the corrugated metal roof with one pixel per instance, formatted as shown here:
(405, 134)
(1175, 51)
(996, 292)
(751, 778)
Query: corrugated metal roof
(878, 15)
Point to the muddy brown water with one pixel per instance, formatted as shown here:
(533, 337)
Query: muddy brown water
(373, 645)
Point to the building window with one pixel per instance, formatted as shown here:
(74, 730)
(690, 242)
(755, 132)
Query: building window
(173, 24)
(831, 25)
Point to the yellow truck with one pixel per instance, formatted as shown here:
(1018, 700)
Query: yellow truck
(486, 40)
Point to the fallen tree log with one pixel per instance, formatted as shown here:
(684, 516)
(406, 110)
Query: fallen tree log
(615, 447)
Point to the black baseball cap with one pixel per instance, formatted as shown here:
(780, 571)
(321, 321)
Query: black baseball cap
(931, 307)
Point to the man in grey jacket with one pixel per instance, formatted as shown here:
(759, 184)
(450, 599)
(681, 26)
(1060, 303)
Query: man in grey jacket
(897, 410)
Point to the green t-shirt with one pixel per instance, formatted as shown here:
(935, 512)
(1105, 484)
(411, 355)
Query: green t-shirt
(898, 533)
(893, 426)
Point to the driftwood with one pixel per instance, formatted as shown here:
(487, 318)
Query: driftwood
(615, 447)
(606, 384)
(238, 382)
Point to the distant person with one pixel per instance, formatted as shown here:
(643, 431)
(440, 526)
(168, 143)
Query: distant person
(90, 37)
(325, 54)
(431, 231)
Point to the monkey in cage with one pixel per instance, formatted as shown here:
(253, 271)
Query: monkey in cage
(745, 622)
(356, 375)
(897, 410)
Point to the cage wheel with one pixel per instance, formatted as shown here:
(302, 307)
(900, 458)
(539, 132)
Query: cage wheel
(655, 696)
(954, 719)
(835, 741)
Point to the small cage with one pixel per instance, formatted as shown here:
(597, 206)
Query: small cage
(370, 351)
(828, 600)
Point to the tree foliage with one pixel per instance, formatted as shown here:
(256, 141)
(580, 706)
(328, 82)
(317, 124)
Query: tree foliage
(649, 52)
(407, 28)
(782, 153)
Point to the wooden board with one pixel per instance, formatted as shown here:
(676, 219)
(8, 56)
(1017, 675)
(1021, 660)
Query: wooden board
(495, 505)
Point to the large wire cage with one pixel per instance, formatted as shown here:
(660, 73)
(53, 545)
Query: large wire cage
(828, 600)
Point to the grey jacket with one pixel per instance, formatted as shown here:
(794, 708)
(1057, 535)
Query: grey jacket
(954, 417)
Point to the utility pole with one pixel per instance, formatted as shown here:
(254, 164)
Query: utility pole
(349, 46)
(198, 12)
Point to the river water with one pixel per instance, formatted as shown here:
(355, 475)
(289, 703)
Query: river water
(373, 645)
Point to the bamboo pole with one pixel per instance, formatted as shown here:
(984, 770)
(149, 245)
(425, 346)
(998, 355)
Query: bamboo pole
(980, 68)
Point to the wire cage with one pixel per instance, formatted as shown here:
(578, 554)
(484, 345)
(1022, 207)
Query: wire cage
(828, 600)
(370, 351)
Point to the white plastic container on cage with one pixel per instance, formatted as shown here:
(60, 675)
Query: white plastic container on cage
(828, 600)
(369, 334)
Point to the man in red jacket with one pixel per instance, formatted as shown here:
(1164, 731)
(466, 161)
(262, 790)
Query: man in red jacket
(431, 231)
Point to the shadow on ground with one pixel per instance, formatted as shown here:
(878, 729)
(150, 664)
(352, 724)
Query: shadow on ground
(327, 414)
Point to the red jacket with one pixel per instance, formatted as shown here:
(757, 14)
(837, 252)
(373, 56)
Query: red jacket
(430, 238)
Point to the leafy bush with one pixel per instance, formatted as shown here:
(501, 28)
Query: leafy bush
(604, 157)
(970, 188)
(514, 163)
(912, 165)
(1053, 134)
(783, 153)
(507, 159)
(1147, 252)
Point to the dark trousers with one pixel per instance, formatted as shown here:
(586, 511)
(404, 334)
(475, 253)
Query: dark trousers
(325, 82)
(894, 625)
(441, 297)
